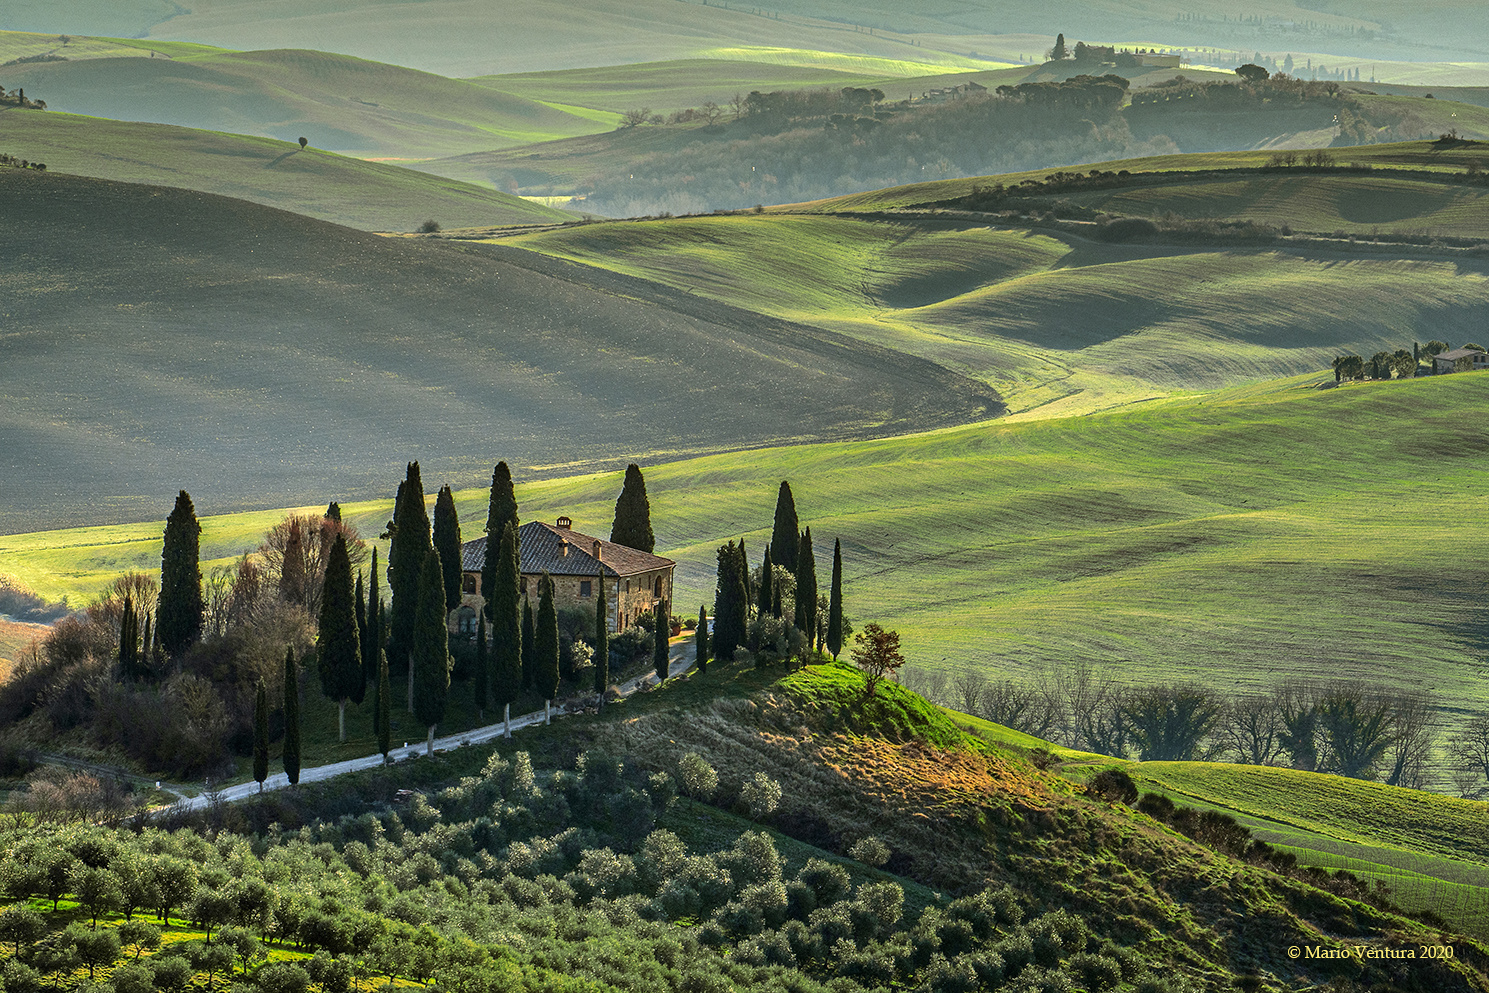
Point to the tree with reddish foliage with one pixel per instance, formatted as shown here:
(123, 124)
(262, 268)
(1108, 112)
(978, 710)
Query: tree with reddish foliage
(877, 654)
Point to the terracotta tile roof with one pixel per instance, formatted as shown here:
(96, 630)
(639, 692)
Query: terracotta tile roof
(1459, 353)
(541, 547)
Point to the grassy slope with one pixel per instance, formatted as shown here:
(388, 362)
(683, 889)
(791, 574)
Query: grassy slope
(338, 102)
(147, 351)
(1051, 318)
(1424, 155)
(323, 185)
(449, 34)
(1293, 522)
(1323, 203)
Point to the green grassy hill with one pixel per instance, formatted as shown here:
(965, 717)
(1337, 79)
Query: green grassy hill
(1236, 538)
(160, 338)
(347, 104)
(458, 36)
(1051, 318)
(329, 187)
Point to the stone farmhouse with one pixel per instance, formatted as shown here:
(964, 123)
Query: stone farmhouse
(1460, 360)
(634, 580)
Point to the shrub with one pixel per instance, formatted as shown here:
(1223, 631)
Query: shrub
(1127, 229)
(698, 778)
(1097, 972)
(430, 226)
(870, 851)
(1114, 785)
(762, 795)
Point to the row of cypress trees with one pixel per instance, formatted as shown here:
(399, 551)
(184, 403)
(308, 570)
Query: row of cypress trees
(734, 600)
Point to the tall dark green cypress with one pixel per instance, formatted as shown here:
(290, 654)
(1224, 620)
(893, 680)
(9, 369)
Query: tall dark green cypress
(128, 641)
(481, 673)
(372, 631)
(660, 642)
(545, 647)
(835, 602)
(333, 512)
(765, 598)
(501, 509)
(508, 642)
(261, 735)
(529, 646)
(785, 535)
(382, 724)
(291, 717)
(632, 526)
(292, 575)
(602, 639)
(447, 543)
(700, 643)
(806, 589)
(431, 648)
(147, 649)
(338, 645)
(359, 693)
(749, 585)
(730, 618)
(179, 618)
(411, 543)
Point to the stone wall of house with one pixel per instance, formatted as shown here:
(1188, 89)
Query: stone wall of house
(624, 598)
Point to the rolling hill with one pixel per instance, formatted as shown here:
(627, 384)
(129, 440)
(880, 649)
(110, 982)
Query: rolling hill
(346, 104)
(1238, 538)
(368, 195)
(157, 338)
(464, 37)
(1049, 317)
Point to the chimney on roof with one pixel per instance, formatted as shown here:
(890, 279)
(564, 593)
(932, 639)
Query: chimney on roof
(563, 548)
(565, 523)
(597, 550)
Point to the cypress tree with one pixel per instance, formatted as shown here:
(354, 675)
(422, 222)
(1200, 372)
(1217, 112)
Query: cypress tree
(545, 647)
(749, 586)
(602, 640)
(431, 648)
(359, 686)
(292, 569)
(372, 631)
(784, 536)
(632, 526)
(261, 736)
(766, 598)
(291, 717)
(128, 638)
(480, 674)
(806, 589)
(333, 512)
(700, 644)
(660, 641)
(835, 602)
(729, 610)
(529, 647)
(502, 508)
(338, 646)
(147, 647)
(447, 542)
(411, 544)
(382, 724)
(509, 639)
(179, 622)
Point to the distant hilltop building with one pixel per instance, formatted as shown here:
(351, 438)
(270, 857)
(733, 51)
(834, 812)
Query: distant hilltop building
(634, 580)
(1460, 360)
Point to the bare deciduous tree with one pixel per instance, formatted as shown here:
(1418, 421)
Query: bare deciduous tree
(317, 534)
(1468, 751)
(1251, 729)
(1172, 723)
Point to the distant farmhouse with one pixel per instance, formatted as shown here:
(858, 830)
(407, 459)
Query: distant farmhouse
(1460, 360)
(634, 580)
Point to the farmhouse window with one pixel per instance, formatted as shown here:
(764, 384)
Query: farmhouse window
(584, 587)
